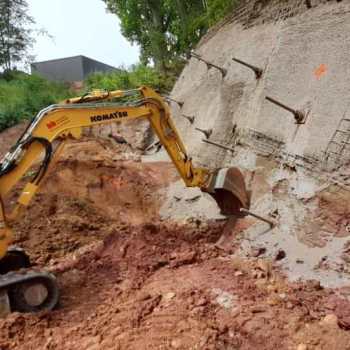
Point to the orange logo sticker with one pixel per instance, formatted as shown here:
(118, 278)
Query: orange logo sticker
(51, 125)
(320, 71)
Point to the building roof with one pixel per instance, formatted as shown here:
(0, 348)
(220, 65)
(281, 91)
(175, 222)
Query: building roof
(70, 69)
(57, 60)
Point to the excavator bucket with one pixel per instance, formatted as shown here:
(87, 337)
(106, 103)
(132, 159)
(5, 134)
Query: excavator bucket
(228, 188)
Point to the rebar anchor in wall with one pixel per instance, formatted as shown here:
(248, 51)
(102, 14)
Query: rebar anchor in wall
(219, 145)
(179, 103)
(207, 133)
(190, 118)
(209, 64)
(299, 116)
(258, 71)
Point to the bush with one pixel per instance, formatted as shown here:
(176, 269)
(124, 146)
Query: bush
(134, 77)
(22, 96)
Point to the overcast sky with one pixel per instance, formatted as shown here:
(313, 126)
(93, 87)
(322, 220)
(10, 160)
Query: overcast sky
(80, 27)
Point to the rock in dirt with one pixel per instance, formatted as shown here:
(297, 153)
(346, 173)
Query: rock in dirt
(330, 321)
(169, 296)
(266, 267)
(90, 343)
(224, 299)
(341, 309)
(201, 302)
(302, 347)
(183, 258)
(176, 344)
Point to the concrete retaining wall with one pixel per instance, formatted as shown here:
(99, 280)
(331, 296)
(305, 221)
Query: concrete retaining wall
(305, 57)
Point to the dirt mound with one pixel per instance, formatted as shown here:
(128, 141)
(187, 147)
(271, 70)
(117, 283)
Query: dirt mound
(92, 188)
(157, 286)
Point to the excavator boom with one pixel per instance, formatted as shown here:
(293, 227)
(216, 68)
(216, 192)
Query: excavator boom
(66, 120)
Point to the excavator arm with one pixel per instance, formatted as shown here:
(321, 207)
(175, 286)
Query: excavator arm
(66, 120)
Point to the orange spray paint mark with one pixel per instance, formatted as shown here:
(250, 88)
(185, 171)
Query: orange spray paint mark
(320, 71)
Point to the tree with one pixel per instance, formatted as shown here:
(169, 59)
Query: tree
(188, 25)
(218, 9)
(163, 28)
(167, 30)
(144, 22)
(15, 36)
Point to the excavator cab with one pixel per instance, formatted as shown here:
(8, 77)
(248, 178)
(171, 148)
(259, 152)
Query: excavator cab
(227, 187)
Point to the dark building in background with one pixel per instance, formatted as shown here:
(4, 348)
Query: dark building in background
(70, 69)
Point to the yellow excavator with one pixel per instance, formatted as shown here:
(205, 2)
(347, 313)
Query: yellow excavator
(25, 289)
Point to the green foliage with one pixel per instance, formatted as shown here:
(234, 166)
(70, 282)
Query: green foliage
(22, 96)
(167, 30)
(134, 77)
(218, 9)
(15, 36)
(145, 23)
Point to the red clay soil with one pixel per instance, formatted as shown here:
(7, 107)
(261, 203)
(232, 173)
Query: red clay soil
(89, 191)
(10, 136)
(131, 281)
(160, 286)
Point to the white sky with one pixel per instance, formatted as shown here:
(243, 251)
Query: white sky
(80, 27)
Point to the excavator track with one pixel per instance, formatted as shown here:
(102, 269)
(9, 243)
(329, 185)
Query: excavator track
(30, 291)
(15, 259)
(22, 288)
